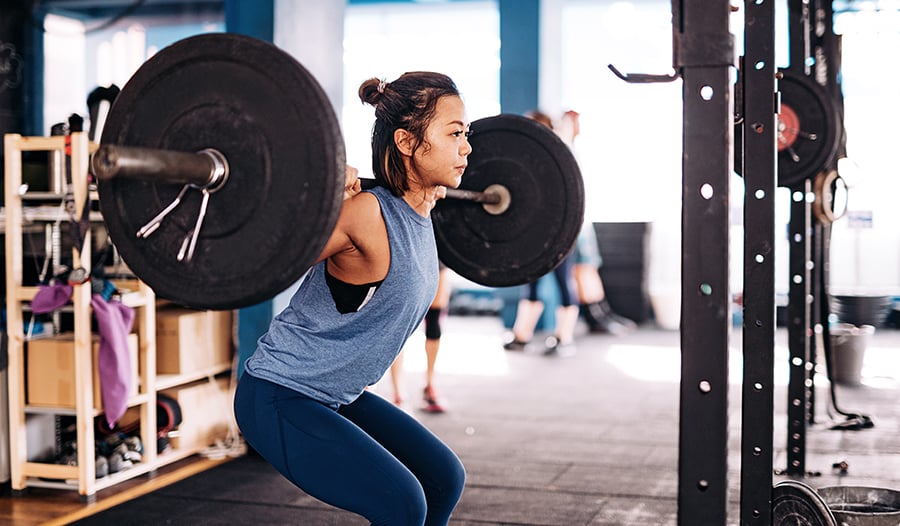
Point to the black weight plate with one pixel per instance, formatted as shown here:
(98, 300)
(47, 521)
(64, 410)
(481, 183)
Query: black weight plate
(546, 208)
(810, 129)
(796, 504)
(273, 122)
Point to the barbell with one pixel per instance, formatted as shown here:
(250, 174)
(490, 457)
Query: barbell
(220, 175)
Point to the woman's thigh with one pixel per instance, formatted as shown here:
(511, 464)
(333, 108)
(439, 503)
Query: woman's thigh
(433, 463)
(326, 455)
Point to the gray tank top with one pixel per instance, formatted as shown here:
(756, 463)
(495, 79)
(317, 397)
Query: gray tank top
(312, 348)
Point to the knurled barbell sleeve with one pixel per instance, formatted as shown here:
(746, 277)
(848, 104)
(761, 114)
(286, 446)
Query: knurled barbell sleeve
(155, 165)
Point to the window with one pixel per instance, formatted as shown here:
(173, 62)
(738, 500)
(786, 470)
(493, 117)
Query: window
(385, 40)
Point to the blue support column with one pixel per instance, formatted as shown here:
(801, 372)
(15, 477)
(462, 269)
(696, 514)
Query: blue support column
(519, 93)
(22, 70)
(256, 19)
(34, 77)
(519, 55)
(251, 17)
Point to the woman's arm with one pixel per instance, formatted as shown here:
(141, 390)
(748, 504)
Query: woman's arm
(358, 250)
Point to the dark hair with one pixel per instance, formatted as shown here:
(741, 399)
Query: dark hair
(407, 103)
(541, 117)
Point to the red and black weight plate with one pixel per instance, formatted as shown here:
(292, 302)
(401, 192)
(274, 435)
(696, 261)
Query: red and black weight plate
(796, 504)
(546, 208)
(276, 127)
(810, 129)
(809, 133)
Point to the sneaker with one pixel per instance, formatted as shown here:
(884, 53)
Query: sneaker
(620, 325)
(431, 403)
(553, 347)
(602, 320)
(613, 324)
(515, 345)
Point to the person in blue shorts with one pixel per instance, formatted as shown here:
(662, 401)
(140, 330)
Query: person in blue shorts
(530, 306)
(302, 403)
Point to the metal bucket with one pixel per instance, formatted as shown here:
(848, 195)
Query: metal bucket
(861, 310)
(848, 350)
(862, 506)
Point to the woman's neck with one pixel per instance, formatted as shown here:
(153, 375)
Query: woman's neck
(421, 198)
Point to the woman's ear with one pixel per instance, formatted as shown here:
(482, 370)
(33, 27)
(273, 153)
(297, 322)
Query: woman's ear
(404, 141)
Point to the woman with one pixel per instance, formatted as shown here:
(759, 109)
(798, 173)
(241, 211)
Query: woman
(302, 404)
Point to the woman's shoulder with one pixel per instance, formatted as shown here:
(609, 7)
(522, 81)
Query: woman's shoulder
(361, 210)
(364, 202)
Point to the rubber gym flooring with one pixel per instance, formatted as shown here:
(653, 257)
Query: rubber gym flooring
(589, 439)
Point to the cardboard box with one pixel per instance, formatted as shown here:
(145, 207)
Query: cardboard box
(50, 371)
(206, 413)
(191, 341)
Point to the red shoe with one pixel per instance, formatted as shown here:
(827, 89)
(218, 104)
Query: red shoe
(431, 403)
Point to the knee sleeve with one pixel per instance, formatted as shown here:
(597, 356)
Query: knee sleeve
(532, 292)
(433, 324)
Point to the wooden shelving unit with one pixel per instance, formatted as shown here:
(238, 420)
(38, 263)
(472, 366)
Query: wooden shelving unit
(25, 472)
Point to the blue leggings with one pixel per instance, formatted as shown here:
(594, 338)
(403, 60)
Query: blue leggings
(568, 295)
(368, 457)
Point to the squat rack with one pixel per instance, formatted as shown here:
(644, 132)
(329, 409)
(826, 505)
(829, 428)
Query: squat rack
(703, 55)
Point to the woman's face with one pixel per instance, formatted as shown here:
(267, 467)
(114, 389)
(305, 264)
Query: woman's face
(441, 160)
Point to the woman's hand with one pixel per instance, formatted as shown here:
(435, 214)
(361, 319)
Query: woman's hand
(352, 186)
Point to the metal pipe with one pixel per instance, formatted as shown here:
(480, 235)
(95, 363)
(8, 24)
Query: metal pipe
(471, 195)
(491, 198)
(149, 164)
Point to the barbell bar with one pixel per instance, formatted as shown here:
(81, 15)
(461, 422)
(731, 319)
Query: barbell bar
(208, 169)
(221, 172)
(495, 199)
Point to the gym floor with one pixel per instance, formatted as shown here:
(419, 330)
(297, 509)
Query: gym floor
(593, 438)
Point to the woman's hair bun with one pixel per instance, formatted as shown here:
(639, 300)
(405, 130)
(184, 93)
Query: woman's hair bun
(371, 91)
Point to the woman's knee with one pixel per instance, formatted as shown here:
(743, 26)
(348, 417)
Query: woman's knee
(450, 484)
(407, 506)
(456, 478)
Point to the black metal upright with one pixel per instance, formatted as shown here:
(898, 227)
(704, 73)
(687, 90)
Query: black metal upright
(799, 261)
(704, 56)
(814, 53)
(798, 327)
(825, 47)
(758, 82)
